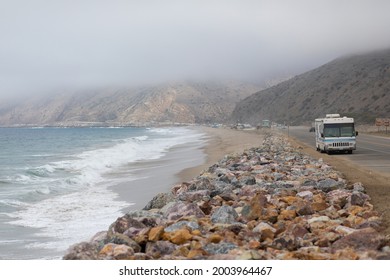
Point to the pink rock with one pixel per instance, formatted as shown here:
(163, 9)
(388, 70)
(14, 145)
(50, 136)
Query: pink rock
(182, 209)
(305, 195)
(361, 240)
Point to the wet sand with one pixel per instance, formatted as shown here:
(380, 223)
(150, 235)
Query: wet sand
(183, 163)
(158, 176)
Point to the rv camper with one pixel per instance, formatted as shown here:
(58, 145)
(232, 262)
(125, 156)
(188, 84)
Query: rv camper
(265, 123)
(335, 134)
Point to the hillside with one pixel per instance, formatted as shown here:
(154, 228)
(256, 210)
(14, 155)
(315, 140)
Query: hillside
(175, 103)
(357, 86)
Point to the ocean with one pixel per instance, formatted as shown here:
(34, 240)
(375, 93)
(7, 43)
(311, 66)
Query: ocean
(60, 186)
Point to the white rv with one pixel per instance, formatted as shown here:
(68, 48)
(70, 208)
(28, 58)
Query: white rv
(335, 134)
(265, 123)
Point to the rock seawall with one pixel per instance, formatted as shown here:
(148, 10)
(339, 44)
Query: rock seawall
(271, 202)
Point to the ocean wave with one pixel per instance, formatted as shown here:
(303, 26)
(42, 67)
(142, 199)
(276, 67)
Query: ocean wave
(85, 169)
(41, 171)
(13, 203)
(70, 218)
(69, 199)
(89, 168)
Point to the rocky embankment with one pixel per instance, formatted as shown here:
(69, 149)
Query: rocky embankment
(271, 202)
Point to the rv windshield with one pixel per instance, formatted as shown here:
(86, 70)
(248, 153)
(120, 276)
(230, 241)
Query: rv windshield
(339, 130)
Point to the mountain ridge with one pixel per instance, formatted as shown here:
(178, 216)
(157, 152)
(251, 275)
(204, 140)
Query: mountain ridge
(354, 85)
(171, 103)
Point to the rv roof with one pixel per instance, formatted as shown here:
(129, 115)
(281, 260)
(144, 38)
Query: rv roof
(332, 116)
(336, 120)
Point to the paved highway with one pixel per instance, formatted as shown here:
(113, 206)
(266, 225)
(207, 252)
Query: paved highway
(372, 152)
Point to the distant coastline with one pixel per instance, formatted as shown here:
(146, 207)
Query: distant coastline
(98, 124)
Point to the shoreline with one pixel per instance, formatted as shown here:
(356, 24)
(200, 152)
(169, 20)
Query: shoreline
(158, 175)
(181, 163)
(221, 142)
(177, 166)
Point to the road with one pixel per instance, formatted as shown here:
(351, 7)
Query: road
(372, 152)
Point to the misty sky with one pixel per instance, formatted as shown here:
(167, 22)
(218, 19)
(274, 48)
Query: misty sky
(48, 44)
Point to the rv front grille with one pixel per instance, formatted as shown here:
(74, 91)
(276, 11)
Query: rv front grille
(342, 144)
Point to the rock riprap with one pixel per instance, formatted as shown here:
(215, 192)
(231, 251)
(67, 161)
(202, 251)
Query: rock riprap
(271, 202)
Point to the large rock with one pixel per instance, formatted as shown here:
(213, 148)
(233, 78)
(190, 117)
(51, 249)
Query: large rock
(123, 223)
(82, 251)
(358, 198)
(176, 226)
(193, 196)
(220, 248)
(328, 185)
(201, 184)
(247, 180)
(156, 233)
(267, 231)
(179, 237)
(118, 238)
(361, 240)
(116, 252)
(255, 208)
(224, 215)
(159, 201)
(338, 197)
(160, 248)
(176, 210)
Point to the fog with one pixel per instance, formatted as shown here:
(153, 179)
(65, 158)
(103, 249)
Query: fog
(47, 44)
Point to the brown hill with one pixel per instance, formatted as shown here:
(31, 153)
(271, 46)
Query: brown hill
(357, 86)
(176, 103)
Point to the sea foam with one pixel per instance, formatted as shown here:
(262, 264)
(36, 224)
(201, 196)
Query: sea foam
(74, 195)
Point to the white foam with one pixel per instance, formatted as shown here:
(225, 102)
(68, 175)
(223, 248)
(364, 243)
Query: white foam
(13, 203)
(83, 202)
(70, 218)
(89, 167)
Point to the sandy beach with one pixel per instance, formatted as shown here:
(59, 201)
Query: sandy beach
(183, 163)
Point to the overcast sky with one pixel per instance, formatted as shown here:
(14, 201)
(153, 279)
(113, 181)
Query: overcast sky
(49, 44)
